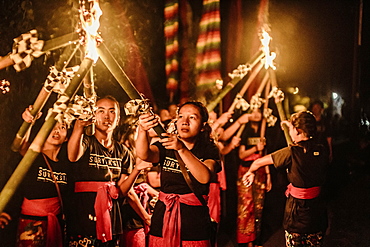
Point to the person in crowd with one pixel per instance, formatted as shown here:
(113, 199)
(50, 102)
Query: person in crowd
(181, 216)
(42, 191)
(250, 200)
(172, 110)
(306, 163)
(324, 131)
(226, 141)
(100, 175)
(135, 207)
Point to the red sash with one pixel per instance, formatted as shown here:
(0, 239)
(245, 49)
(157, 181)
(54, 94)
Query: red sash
(214, 202)
(252, 157)
(302, 193)
(142, 192)
(171, 231)
(49, 207)
(105, 192)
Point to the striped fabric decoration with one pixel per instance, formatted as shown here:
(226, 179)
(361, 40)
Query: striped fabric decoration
(208, 61)
(171, 27)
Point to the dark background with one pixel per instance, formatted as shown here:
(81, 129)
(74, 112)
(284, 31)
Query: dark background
(319, 47)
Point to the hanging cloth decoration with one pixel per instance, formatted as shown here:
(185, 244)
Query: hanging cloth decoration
(57, 81)
(25, 48)
(208, 60)
(171, 28)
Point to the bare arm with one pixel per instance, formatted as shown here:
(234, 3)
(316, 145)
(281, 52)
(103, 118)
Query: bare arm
(126, 183)
(244, 153)
(268, 179)
(235, 142)
(75, 147)
(264, 161)
(134, 202)
(145, 151)
(234, 127)
(200, 170)
(27, 117)
(222, 120)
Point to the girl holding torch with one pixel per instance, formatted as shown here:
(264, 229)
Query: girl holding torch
(179, 217)
(41, 220)
(306, 163)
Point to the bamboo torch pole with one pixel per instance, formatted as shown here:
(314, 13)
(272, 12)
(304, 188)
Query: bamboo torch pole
(265, 106)
(254, 61)
(89, 92)
(279, 106)
(36, 146)
(121, 77)
(42, 97)
(49, 45)
(259, 90)
(247, 84)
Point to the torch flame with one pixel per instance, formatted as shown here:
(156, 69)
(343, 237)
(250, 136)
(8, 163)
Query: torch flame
(269, 56)
(90, 23)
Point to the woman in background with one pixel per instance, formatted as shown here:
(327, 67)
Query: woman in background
(306, 163)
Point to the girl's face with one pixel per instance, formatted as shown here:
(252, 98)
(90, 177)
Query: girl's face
(189, 123)
(58, 135)
(256, 116)
(106, 115)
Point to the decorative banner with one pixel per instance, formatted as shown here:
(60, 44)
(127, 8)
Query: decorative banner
(136, 107)
(240, 72)
(208, 61)
(57, 81)
(171, 28)
(81, 108)
(256, 102)
(277, 94)
(25, 48)
(241, 103)
(271, 119)
(59, 107)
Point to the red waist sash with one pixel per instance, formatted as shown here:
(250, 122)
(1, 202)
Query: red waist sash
(171, 231)
(303, 193)
(105, 192)
(252, 157)
(49, 207)
(142, 192)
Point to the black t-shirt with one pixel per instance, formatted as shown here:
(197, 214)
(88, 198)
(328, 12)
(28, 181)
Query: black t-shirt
(97, 164)
(306, 165)
(38, 182)
(195, 220)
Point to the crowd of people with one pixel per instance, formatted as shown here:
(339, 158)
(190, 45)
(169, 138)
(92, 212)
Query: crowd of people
(137, 188)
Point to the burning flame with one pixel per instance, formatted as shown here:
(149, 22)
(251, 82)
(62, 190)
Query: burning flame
(90, 24)
(269, 56)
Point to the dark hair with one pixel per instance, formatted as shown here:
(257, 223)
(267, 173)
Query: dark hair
(110, 97)
(305, 121)
(316, 102)
(205, 135)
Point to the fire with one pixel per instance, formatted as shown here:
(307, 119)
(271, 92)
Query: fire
(269, 56)
(90, 24)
